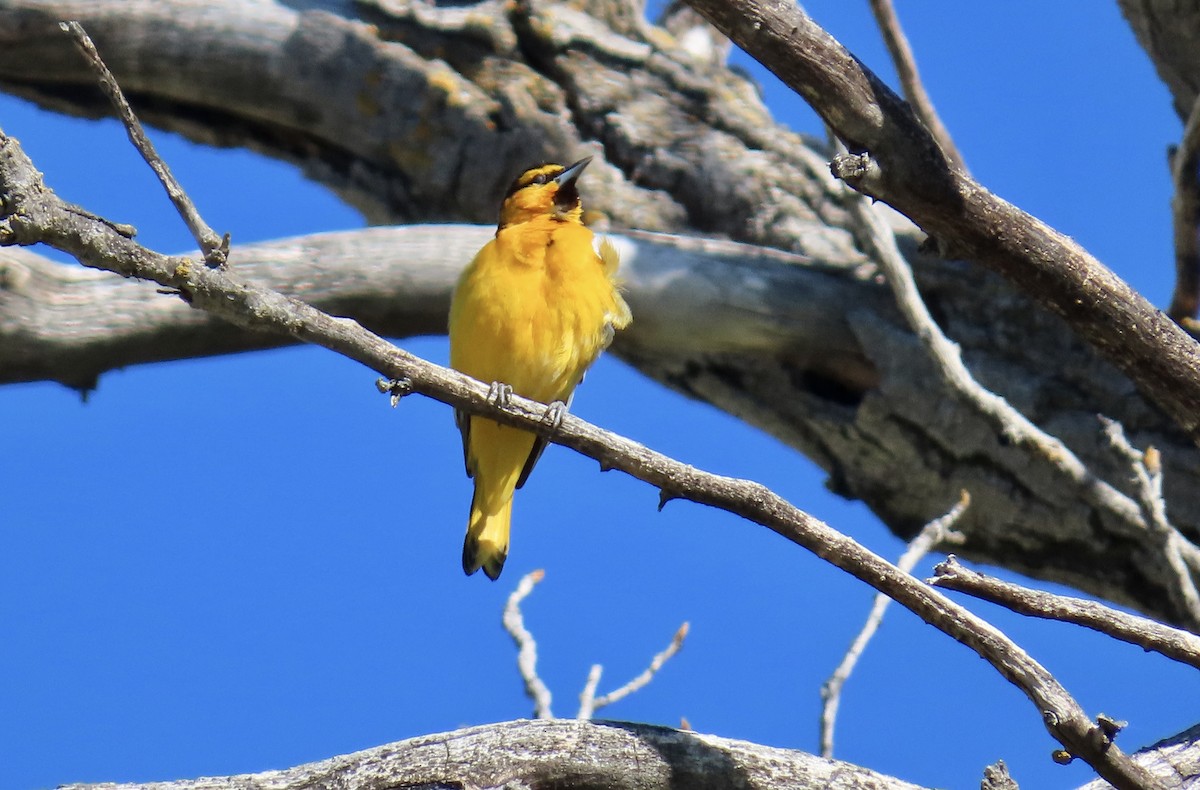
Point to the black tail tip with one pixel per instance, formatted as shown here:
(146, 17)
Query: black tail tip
(471, 562)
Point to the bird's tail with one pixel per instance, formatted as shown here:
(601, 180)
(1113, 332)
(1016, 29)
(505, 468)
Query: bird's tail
(486, 545)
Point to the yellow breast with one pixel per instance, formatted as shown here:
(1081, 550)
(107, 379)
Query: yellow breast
(534, 309)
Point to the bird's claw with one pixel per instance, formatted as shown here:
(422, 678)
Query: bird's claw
(499, 394)
(553, 417)
(397, 388)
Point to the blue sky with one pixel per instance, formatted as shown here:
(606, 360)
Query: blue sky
(237, 564)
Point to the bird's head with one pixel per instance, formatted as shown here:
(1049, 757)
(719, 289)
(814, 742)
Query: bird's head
(545, 190)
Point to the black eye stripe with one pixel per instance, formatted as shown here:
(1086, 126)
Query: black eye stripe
(525, 180)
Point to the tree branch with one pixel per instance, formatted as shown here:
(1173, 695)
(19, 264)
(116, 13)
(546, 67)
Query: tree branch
(594, 703)
(897, 161)
(215, 248)
(33, 214)
(1148, 634)
(713, 317)
(514, 623)
(604, 756)
(1180, 556)
(1006, 420)
(572, 753)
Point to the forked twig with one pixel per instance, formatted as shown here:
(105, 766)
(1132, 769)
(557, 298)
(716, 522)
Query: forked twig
(537, 691)
(215, 248)
(514, 623)
(1148, 634)
(1177, 550)
(589, 703)
(933, 533)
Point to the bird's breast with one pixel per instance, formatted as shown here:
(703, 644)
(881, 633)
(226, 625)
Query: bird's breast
(534, 306)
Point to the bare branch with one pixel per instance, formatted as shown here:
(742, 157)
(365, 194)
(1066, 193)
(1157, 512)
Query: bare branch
(556, 753)
(899, 162)
(1147, 475)
(535, 689)
(910, 80)
(216, 249)
(587, 697)
(514, 623)
(933, 533)
(1149, 634)
(1185, 218)
(647, 675)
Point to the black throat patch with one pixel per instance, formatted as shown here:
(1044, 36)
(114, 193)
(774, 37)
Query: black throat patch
(566, 198)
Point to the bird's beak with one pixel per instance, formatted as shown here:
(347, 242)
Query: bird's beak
(569, 175)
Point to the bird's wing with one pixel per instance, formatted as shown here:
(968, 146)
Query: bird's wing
(539, 446)
(463, 420)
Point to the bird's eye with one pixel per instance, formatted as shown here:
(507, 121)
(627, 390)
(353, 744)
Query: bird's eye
(540, 178)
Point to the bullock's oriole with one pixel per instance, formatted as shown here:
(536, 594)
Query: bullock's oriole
(531, 312)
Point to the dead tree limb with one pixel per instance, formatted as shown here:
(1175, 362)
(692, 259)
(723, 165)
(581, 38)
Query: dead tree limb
(588, 755)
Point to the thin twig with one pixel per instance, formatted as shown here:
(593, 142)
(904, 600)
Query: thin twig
(514, 623)
(34, 214)
(1147, 477)
(910, 80)
(1174, 643)
(933, 533)
(1185, 219)
(587, 697)
(648, 674)
(215, 248)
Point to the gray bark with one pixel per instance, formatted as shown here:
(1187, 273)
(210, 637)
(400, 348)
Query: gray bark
(556, 753)
(601, 756)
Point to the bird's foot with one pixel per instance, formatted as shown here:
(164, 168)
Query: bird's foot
(397, 388)
(499, 394)
(553, 417)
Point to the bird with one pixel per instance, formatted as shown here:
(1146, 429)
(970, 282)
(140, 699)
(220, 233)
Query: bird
(529, 315)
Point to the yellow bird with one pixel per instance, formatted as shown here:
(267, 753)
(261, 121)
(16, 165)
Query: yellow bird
(531, 312)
